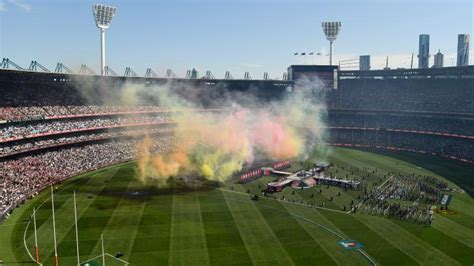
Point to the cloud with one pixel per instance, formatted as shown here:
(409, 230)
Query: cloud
(17, 3)
(21, 4)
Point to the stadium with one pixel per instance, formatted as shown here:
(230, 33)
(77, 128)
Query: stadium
(324, 166)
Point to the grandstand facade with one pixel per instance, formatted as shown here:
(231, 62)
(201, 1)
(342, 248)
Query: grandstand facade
(54, 122)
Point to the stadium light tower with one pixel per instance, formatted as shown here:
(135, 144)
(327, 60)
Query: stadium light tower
(331, 29)
(103, 16)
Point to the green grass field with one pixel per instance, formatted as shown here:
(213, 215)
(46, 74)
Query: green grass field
(220, 225)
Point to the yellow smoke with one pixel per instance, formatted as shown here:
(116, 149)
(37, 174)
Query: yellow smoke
(206, 144)
(215, 145)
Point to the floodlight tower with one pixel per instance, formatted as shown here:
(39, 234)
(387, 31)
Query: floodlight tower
(331, 29)
(103, 16)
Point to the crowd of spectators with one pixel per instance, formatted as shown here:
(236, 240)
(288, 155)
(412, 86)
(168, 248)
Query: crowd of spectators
(42, 112)
(15, 130)
(15, 147)
(28, 108)
(428, 123)
(23, 177)
(455, 148)
(19, 90)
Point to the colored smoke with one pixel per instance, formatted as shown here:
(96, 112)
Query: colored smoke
(215, 145)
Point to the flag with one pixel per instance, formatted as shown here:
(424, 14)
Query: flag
(296, 53)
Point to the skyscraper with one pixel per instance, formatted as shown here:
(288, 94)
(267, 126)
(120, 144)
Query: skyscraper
(364, 62)
(438, 60)
(463, 50)
(424, 51)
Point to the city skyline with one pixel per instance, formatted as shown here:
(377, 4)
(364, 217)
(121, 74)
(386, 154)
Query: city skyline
(238, 36)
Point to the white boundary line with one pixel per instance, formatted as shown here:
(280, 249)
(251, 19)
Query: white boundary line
(60, 181)
(26, 229)
(124, 261)
(236, 192)
(107, 254)
(363, 253)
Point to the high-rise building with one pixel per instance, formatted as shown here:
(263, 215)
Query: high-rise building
(194, 73)
(438, 60)
(463, 50)
(424, 51)
(364, 62)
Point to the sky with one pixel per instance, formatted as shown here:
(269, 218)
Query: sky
(236, 35)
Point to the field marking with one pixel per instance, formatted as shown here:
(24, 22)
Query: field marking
(29, 221)
(26, 230)
(82, 208)
(111, 217)
(42, 203)
(322, 217)
(267, 198)
(317, 241)
(288, 202)
(406, 237)
(107, 254)
(365, 254)
(119, 259)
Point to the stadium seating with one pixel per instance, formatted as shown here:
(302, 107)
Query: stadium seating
(24, 176)
(50, 130)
